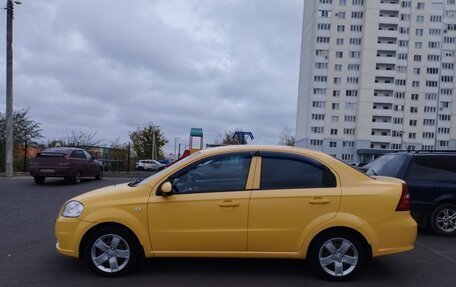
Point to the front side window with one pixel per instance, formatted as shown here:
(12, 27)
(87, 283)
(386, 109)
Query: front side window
(286, 172)
(213, 174)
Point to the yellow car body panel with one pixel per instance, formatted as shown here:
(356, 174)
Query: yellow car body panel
(248, 223)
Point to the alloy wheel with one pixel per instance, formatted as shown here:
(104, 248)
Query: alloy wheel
(110, 253)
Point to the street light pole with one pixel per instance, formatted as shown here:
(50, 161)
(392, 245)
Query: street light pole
(9, 89)
(175, 144)
(154, 151)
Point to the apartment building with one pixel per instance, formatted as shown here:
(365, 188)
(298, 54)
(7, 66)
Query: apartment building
(376, 76)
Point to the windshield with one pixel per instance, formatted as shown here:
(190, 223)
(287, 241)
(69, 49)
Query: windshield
(387, 165)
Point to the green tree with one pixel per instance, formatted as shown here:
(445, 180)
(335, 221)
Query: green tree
(142, 139)
(286, 138)
(24, 128)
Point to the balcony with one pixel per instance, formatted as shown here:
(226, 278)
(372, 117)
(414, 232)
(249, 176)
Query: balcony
(388, 33)
(381, 125)
(386, 60)
(387, 47)
(385, 73)
(389, 19)
(381, 139)
(382, 112)
(384, 86)
(390, 7)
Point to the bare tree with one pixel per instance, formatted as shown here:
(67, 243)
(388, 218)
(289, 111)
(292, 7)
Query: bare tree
(79, 139)
(286, 138)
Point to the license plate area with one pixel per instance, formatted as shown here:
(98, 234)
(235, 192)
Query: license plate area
(47, 170)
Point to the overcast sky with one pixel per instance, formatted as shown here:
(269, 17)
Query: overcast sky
(110, 66)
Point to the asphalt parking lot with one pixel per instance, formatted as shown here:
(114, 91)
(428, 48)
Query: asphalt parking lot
(28, 256)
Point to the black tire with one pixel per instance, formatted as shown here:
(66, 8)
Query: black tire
(77, 178)
(443, 220)
(39, 179)
(103, 255)
(337, 256)
(99, 175)
(140, 168)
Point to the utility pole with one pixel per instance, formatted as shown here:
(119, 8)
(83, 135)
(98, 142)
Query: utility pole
(9, 88)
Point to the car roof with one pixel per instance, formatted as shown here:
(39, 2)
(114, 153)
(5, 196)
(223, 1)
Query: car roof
(425, 153)
(65, 150)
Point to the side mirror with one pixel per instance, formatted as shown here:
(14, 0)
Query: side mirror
(166, 188)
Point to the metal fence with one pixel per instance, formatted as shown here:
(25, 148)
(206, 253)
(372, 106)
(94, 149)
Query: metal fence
(113, 159)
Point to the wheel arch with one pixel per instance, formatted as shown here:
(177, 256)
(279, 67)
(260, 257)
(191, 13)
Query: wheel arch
(342, 229)
(86, 236)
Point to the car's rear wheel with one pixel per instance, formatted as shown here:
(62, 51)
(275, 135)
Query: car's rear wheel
(77, 178)
(443, 220)
(140, 168)
(336, 256)
(112, 251)
(39, 179)
(99, 175)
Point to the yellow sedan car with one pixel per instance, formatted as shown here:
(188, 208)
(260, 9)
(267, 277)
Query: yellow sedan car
(242, 201)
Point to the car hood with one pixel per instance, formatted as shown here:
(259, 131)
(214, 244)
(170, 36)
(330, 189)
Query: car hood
(114, 195)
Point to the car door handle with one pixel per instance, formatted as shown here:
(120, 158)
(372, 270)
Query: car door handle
(229, 203)
(319, 200)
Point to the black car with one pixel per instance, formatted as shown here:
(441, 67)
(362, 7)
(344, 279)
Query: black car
(431, 179)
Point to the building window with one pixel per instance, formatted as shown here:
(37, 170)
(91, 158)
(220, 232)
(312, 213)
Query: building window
(338, 67)
(332, 144)
(333, 131)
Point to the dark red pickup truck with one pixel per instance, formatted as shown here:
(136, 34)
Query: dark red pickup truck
(66, 162)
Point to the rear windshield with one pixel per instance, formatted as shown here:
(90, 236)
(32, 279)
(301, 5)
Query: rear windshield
(387, 165)
(54, 152)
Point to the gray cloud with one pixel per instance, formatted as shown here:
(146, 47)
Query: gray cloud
(112, 66)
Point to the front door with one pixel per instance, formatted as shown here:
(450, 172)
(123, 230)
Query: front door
(208, 208)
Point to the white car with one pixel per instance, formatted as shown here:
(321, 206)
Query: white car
(149, 164)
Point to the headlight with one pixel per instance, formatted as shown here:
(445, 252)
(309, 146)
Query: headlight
(72, 209)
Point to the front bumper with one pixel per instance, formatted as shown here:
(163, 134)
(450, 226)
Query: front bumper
(69, 232)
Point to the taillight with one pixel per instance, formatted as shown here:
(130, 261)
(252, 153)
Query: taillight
(404, 202)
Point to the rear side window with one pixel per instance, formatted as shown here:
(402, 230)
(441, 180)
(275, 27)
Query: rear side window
(387, 165)
(433, 168)
(78, 154)
(280, 172)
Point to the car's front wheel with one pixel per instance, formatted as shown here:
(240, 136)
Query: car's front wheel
(112, 251)
(443, 219)
(39, 179)
(336, 256)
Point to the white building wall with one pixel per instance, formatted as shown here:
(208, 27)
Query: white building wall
(380, 82)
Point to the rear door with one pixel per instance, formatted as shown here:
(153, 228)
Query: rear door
(293, 191)
(79, 162)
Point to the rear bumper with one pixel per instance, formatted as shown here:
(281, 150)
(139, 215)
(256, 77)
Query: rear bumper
(51, 171)
(395, 235)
